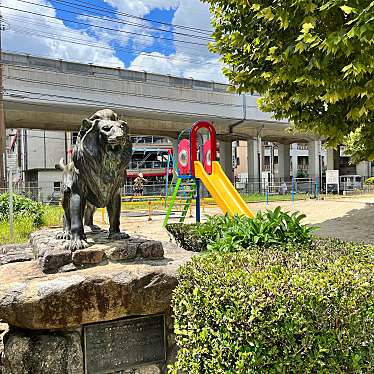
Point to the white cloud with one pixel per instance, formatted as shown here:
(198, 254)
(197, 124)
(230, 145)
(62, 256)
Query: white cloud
(179, 64)
(132, 32)
(27, 34)
(142, 7)
(188, 60)
(156, 62)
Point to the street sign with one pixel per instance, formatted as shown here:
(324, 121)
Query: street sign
(332, 178)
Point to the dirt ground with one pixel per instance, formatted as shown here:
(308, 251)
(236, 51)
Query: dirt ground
(348, 218)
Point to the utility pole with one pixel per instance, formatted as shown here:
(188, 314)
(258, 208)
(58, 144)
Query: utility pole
(2, 120)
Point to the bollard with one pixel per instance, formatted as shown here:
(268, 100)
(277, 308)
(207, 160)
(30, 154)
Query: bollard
(102, 215)
(149, 210)
(293, 191)
(11, 204)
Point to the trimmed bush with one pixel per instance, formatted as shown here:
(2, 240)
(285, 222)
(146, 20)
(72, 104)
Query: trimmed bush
(369, 181)
(228, 234)
(23, 208)
(272, 310)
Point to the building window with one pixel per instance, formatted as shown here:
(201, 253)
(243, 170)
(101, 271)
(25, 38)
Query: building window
(56, 186)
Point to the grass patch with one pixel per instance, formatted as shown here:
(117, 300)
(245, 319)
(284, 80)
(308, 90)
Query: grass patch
(22, 229)
(24, 226)
(52, 215)
(260, 198)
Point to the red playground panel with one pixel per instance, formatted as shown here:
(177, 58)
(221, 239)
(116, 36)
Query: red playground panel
(184, 159)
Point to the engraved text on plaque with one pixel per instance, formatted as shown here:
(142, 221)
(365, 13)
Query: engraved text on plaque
(118, 345)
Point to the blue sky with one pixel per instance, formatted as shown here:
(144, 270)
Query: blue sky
(117, 33)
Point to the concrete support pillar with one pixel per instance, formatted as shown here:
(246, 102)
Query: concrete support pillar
(225, 156)
(295, 161)
(254, 165)
(363, 169)
(260, 150)
(254, 172)
(284, 162)
(314, 148)
(332, 159)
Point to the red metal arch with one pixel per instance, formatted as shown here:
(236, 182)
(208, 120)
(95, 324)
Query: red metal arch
(212, 137)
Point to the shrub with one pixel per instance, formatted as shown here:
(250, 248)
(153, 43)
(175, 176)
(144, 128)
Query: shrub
(369, 181)
(227, 234)
(186, 236)
(23, 207)
(272, 310)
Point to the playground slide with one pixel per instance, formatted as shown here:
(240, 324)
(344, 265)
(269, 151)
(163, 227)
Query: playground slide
(222, 190)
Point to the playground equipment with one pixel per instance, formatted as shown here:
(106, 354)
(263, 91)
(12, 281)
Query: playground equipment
(197, 163)
(222, 191)
(181, 191)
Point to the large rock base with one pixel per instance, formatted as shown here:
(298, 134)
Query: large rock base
(42, 352)
(53, 256)
(47, 314)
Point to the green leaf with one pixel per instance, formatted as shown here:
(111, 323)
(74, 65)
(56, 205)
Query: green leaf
(346, 9)
(307, 27)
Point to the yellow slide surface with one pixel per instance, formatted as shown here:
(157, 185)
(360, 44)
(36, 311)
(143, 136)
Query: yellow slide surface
(222, 190)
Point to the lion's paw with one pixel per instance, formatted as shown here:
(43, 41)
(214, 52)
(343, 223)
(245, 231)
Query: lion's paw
(76, 244)
(66, 235)
(118, 236)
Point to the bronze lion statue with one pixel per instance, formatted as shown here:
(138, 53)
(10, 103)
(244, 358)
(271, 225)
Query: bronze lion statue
(95, 176)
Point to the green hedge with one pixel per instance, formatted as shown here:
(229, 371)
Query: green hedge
(271, 310)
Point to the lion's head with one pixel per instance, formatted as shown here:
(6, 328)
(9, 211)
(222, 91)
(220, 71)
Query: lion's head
(102, 132)
(104, 128)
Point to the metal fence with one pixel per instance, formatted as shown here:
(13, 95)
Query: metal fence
(49, 193)
(276, 186)
(147, 165)
(43, 194)
(150, 189)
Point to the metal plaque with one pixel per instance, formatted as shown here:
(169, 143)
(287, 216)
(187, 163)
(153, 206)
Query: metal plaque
(118, 345)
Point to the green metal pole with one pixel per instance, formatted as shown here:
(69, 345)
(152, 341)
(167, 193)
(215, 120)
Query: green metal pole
(176, 189)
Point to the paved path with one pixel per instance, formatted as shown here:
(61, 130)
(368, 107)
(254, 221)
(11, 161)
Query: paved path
(347, 218)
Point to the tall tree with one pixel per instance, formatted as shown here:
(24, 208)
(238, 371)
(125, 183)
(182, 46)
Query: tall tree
(311, 60)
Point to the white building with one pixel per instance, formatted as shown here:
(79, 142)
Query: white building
(274, 162)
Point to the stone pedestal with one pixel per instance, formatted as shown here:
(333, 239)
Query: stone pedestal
(53, 256)
(48, 314)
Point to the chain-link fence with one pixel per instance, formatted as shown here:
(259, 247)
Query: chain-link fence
(46, 193)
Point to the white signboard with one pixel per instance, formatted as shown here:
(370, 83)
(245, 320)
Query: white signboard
(332, 177)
